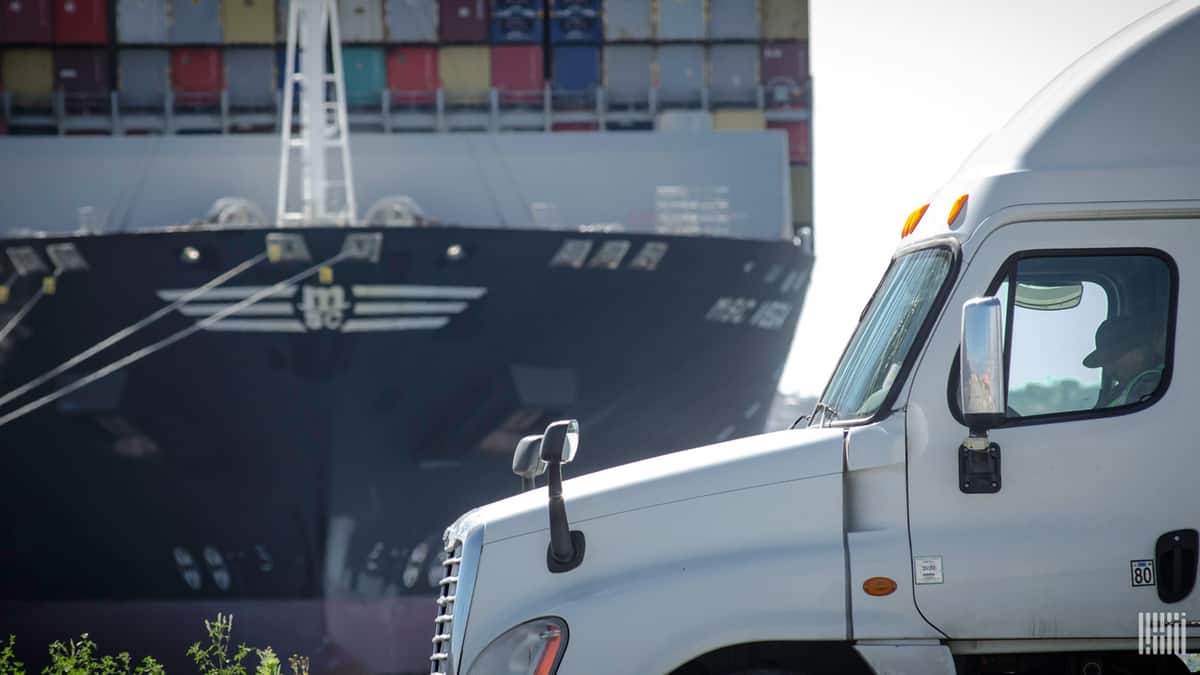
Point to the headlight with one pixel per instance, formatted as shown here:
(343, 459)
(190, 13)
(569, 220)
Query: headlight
(533, 648)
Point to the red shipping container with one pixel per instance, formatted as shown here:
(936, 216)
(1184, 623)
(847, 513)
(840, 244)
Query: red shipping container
(412, 74)
(799, 140)
(80, 22)
(784, 61)
(785, 74)
(518, 73)
(463, 21)
(196, 75)
(82, 76)
(575, 126)
(25, 22)
(81, 71)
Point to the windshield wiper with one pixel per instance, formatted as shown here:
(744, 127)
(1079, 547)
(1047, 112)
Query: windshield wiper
(829, 413)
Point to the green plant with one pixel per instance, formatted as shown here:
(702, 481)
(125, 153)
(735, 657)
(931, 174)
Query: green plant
(268, 663)
(79, 657)
(299, 664)
(9, 665)
(215, 658)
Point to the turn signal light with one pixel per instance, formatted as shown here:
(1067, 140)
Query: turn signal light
(955, 209)
(879, 586)
(913, 218)
(552, 638)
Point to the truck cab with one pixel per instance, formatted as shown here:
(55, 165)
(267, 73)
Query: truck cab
(999, 476)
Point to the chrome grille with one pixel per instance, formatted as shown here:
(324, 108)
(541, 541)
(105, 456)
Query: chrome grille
(443, 625)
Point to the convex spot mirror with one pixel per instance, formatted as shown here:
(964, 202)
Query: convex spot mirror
(982, 387)
(1049, 297)
(527, 458)
(560, 442)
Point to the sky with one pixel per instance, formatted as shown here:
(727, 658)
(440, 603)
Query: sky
(903, 91)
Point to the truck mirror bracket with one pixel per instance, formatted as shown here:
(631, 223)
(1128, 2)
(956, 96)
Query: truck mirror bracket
(578, 544)
(979, 467)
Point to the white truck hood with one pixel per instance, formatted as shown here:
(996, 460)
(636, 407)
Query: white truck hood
(711, 469)
(668, 539)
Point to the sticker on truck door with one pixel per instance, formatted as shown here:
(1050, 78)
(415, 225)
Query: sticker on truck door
(927, 569)
(1141, 572)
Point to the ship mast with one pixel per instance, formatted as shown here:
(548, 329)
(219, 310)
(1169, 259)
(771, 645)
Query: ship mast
(325, 197)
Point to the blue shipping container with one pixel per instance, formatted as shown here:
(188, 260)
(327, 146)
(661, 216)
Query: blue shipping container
(576, 68)
(517, 22)
(576, 22)
(365, 72)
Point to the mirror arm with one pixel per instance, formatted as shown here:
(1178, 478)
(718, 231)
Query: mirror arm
(560, 530)
(566, 549)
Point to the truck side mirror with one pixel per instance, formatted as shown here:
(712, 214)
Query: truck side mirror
(527, 460)
(983, 394)
(982, 366)
(559, 443)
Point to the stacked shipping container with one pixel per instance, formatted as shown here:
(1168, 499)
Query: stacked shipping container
(746, 61)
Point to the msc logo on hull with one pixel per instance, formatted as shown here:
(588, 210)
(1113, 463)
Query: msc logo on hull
(363, 308)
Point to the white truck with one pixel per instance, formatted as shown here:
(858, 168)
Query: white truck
(997, 478)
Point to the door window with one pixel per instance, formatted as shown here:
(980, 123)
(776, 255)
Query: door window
(1086, 332)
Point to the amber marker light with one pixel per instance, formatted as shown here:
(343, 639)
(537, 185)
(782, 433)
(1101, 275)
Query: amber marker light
(879, 586)
(913, 218)
(552, 638)
(955, 209)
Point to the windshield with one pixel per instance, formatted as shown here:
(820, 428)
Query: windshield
(884, 336)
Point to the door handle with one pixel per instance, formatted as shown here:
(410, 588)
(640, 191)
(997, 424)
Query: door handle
(1175, 556)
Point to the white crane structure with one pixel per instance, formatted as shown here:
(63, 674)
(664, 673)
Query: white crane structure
(326, 190)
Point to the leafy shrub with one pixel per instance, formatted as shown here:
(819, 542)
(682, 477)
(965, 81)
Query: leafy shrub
(215, 659)
(80, 658)
(9, 665)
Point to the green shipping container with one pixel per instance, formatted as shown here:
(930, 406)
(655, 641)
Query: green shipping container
(28, 74)
(785, 19)
(366, 75)
(248, 22)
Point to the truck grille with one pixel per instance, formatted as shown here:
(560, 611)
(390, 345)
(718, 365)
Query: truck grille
(443, 625)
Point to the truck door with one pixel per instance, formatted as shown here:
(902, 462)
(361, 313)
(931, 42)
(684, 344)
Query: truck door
(1098, 497)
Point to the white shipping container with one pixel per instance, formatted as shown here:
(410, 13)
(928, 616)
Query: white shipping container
(142, 21)
(411, 20)
(628, 72)
(680, 20)
(734, 73)
(681, 74)
(627, 20)
(196, 22)
(361, 20)
(734, 20)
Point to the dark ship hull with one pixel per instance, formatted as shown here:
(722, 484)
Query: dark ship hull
(291, 462)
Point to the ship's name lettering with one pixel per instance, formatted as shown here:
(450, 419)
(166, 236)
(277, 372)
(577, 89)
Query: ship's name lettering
(767, 315)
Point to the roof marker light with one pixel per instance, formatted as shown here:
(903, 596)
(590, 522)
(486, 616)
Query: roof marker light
(956, 209)
(913, 218)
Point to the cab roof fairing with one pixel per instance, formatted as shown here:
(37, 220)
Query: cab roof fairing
(1118, 125)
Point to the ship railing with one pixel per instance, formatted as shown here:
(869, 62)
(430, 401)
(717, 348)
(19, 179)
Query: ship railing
(249, 113)
(29, 112)
(136, 112)
(392, 111)
(83, 112)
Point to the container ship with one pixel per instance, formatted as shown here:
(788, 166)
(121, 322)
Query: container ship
(596, 210)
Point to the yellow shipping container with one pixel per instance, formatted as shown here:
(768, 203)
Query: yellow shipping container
(785, 19)
(465, 70)
(248, 21)
(739, 119)
(28, 74)
(802, 201)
